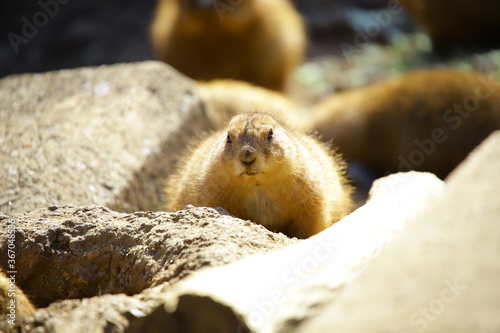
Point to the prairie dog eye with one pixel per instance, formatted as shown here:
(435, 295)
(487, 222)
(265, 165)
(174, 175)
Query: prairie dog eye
(228, 138)
(270, 134)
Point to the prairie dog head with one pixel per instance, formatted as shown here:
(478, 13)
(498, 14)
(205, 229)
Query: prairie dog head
(254, 145)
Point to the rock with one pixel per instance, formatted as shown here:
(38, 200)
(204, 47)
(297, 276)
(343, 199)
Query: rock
(441, 273)
(273, 292)
(74, 252)
(120, 313)
(107, 313)
(106, 135)
(203, 315)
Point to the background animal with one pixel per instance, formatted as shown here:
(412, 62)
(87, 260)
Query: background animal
(426, 120)
(227, 98)
(457, 22)
(258, 41)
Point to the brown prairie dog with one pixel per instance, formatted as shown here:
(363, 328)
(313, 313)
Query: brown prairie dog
(227, 98)
(427, 120)
(458, 22)
(261, 171)
(258, 41)
(13, 302)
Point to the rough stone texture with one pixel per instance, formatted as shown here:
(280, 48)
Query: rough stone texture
(106, 135)
(273, 292)
(120, 313)
(441, 274)
(107, 313)
(75, 252)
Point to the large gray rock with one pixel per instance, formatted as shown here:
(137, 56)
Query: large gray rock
(106, 135)
(68, 252)
(442, 273)
(74, 252)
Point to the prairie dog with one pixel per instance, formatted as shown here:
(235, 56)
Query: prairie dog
(258, 170)
(258, 41)
(459, 22)
(427, 120)
(13, 302)
(227, 98)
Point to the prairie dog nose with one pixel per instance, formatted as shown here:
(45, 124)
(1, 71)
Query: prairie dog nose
(247, 155)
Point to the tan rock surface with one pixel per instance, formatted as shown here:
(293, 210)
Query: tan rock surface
(105, 135)
(441, 274)
(75, 252)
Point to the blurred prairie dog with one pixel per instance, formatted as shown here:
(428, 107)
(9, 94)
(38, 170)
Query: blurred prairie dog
(258, 170)
(258, 41)
(427, 120)
(227, 98)
(14, 305)
(457, 22)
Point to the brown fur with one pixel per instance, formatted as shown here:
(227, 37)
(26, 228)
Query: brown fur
(457, 21)
(258, 41)
(288, 182)
(227, 98)
(378, 124)
(23, 306)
